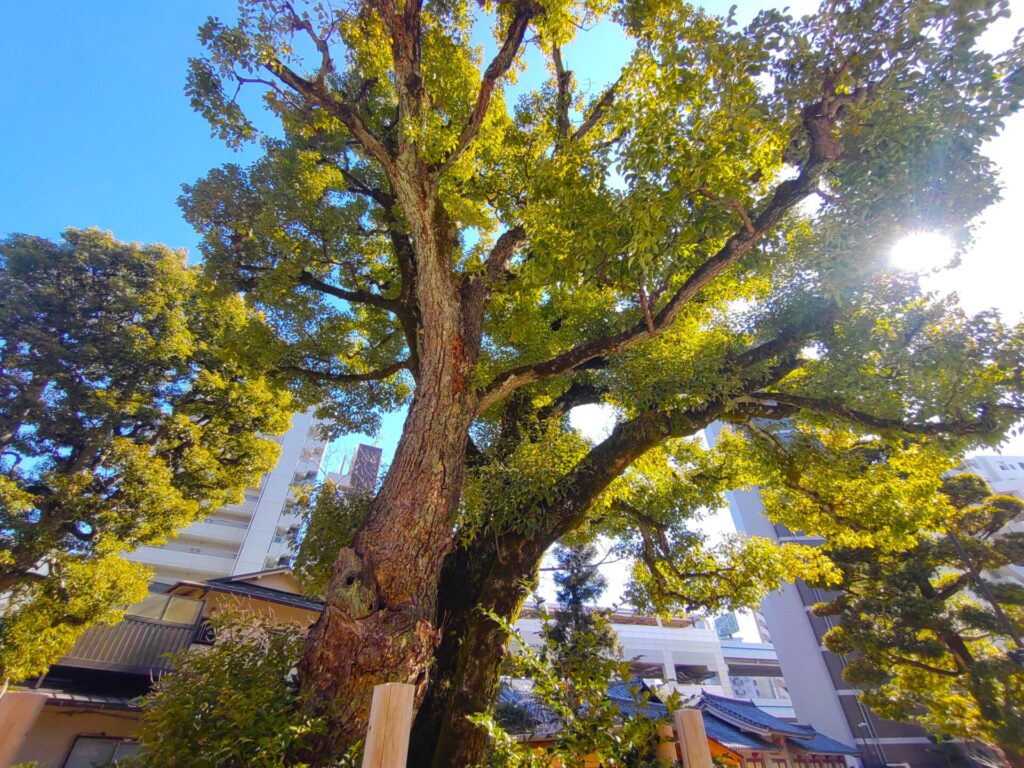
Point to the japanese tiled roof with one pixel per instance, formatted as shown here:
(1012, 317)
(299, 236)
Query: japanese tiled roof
(745, 712)
(730, 732)
(545, 721)
(731, 737)
(621, 693)
(727, 735)
(822, 743)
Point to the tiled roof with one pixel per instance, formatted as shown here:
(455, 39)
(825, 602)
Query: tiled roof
(545, 722)
(822, 743)
(620, 693)
(718, 730)
(747, 713)
(714, 709)
(731, 737)
(229, 585)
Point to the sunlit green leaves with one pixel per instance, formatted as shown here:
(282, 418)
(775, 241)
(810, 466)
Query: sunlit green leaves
(44, 620)
(927, 642)
(136, 400)
(234, 705)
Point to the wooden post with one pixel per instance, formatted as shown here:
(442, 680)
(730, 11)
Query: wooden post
(387, 736)
(18, 713)
(668, 747)
(693, 739)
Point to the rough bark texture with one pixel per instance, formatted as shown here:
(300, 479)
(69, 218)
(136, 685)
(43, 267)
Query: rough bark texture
(379, 623)
(473, 647)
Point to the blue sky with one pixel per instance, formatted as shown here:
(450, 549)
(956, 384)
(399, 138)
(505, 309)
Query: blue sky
(98, 130)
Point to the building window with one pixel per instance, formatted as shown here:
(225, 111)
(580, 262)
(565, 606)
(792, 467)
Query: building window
(179, 610)
(759, 688)
(97, 751)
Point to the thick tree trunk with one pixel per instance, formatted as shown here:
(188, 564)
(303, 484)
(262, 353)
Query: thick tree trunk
(472, 650)
(497, 580)
(462, 582)
(378, 625)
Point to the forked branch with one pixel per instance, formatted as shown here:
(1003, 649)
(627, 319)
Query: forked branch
(346, 378)
(525, 10)
(824, 149)
(982, 424)
(319, 93)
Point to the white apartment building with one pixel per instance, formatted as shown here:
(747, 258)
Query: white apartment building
(686, 655)
(1004, 473)
(253, 535)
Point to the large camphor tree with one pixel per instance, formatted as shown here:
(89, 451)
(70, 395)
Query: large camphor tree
(702, 238)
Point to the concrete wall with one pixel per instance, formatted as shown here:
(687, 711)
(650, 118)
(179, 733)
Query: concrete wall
(219, 602)
(301, 454)
(667, 646)
(810, 686)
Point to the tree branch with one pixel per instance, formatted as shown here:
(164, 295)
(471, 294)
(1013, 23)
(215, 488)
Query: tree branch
(983, 424)
(732, 205)
(346, 378)
(475, 289)
(598, 111)
(358, 296)
(578, 393)
(502, 252)
(303, 22)
(824, 148)
(319, 93)
(524, 12)
(898, 659)
(563, 80)
(607, 460)
(78, 533)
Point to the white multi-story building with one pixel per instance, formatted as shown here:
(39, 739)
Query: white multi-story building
(1004, 473)
(686, 655)
(250, 536)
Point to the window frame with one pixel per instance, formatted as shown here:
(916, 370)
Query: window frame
(117, 741)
